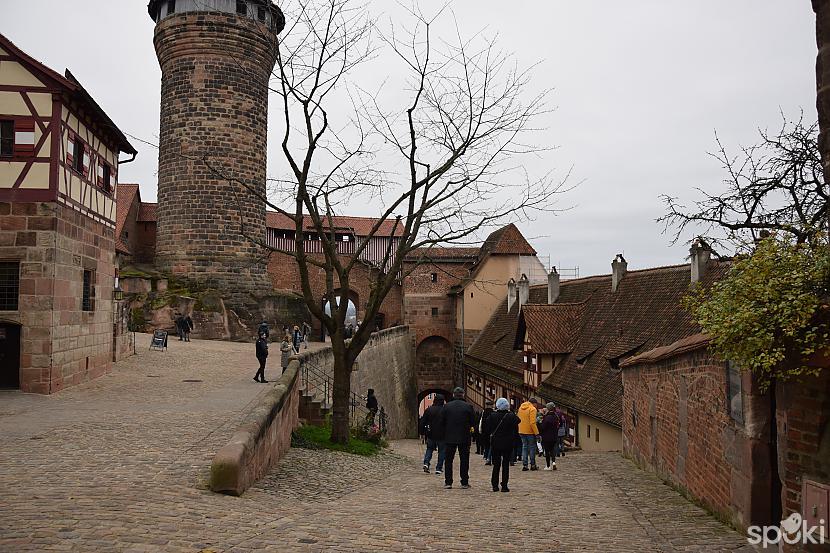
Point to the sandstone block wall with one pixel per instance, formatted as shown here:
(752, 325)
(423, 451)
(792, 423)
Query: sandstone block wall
(61, 345)
(214, 107)
(386, 364)
(261, 440)
(676, 422)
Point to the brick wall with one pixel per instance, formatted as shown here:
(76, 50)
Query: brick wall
(677, 423)
(434, 360)
(803, 417)
(214, 103)
(61, 345)
(285, 275)
(144, 244)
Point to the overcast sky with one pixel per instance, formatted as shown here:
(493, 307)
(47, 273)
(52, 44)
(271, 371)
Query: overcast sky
(640, 88)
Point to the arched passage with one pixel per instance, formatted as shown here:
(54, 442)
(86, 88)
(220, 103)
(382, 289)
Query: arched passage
(433, 365)
(427, 398)
(352, 314)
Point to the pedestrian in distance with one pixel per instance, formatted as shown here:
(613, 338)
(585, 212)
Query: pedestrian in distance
(264, 329)
(285, 351)
(432, 431)
(549, 430)
(262, 356)
(372, 406)
(483, 437)
(562, 433)
(457, 423)
(179, 322)
(296, 338)
(501, 428)
(306, 333)
(187, 325)
(528, 431)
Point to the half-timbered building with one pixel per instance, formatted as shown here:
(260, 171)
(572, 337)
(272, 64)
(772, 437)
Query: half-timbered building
(59, 160)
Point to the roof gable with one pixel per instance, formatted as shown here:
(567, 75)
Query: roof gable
(506, 240)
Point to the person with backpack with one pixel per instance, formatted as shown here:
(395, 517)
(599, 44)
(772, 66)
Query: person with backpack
(562, 432)
(502, 428)
(549, 430)
(262, 356)
(483, 437)
(432, 431)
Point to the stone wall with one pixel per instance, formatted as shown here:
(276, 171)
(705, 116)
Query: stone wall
(387, 365)
(285, 275)
(214, 110)
(261, 440)
(677, 423)
(61, 344)
(803, 415)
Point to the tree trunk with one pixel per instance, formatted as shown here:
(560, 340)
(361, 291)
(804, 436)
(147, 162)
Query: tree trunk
(822, 9)
(340, 400)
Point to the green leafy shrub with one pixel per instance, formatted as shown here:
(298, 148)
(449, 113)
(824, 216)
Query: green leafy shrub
(768, 314)
(318, 437)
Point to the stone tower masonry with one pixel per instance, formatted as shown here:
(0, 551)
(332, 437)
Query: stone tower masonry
(216, 58)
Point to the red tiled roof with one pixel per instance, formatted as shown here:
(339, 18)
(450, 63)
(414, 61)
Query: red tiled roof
(124, 196)
(643, 314)
(445, 253)
(684, 345)
(147, 212)
(507, 240)
(361, 226)
(551, 328)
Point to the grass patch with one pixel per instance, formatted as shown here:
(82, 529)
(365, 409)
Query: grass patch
(317, 437)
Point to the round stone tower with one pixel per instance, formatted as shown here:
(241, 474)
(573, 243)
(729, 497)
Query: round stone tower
(216, 58)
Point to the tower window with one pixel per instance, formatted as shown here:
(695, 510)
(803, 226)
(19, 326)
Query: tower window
(434, 277)
(260, 13)
(171, 6)
(6, 138)
(434, 311)
(241, 7)
(9, 285)
(88, 298)
(589, 430)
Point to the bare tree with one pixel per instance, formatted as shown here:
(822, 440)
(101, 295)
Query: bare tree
(775, 185)
(446, 164)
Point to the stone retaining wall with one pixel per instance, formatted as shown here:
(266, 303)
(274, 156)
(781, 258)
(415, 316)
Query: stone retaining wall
(261, 440)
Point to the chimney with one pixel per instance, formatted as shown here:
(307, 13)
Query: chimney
(618, 269)
(524, 290)
(699, 255)
(511, 294)
(553, 285)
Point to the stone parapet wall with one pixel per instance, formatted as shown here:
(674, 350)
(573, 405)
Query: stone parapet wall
(677, 423)
(261, 440)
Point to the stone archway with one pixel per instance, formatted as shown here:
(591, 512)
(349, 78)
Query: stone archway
(434, 365)
(352, 316)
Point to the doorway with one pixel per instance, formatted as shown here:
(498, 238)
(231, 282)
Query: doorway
(9, 356)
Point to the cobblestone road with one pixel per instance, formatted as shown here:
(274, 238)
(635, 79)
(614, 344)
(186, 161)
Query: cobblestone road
(119, 465)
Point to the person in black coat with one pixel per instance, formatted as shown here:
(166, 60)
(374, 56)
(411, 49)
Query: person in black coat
(187, 326)
(262, 356)
(457, 422)
(484, 439)
(549, 430)
(502, 427)
(431, 429)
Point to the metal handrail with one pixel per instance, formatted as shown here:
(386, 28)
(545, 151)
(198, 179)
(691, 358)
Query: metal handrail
(315, 378)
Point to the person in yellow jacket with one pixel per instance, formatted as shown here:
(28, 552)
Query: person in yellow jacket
(528, 432)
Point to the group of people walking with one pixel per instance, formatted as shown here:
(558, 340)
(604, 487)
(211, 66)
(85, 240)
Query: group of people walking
(502, 437)
(184, 326)
(292, 340)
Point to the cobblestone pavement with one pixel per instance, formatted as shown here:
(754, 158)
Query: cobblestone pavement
(119, 464)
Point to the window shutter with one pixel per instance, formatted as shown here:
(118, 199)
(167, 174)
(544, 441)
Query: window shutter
(70, 147)
(86, 155)
(24, 137)
(100, 180)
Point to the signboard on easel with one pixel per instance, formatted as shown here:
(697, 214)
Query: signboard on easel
(159, 341)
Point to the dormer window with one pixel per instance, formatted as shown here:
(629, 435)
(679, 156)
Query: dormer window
(260, 13)
(171, 6)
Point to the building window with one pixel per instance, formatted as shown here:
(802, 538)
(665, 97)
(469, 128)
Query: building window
(260, 13)
(736, 401)
(434, 277)
(471, 294)
(6, 138)
(596, 433)
(107, 178)
(241, 8)
(434, 311)
(88, 299)
(589, 430)
(171, 6)
(9, 285)
(78, 155)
